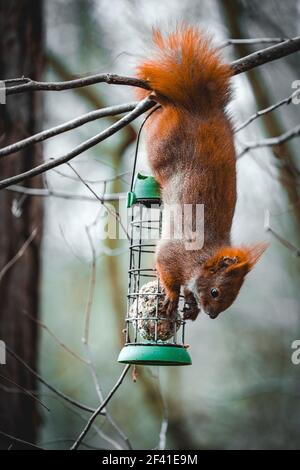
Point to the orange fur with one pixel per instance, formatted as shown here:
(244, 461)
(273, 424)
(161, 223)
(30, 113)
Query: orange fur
(191, 153)
(186, 70)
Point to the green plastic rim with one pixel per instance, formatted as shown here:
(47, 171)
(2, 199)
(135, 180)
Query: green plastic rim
(146, 188)
(155, 355)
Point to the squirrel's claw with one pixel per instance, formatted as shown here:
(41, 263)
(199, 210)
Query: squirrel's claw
(170, 308)
(191, 310)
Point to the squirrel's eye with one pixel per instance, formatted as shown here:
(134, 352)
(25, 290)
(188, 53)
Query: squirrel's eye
(214, 292)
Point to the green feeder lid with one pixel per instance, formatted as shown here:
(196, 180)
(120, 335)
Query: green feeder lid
(155, 355)
(145, 189)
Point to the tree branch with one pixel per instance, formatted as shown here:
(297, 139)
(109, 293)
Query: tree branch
(55, 337)
(114, 214)
(109, 78)
(18, 255)
(99, 409)
(266, 55)
(26, 392)
(50, 387)
(244, 64)
(272, 141)
(85, 338)
(251, 41)
(143, 106)
(239, 66)
(67, 126)
(283, 241)
(43, 192)
(267, 110)
(29, 444)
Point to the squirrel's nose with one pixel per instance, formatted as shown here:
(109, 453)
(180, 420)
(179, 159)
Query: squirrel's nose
(212, 315)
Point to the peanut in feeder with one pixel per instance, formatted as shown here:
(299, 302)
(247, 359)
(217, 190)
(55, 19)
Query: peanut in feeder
(151, 338)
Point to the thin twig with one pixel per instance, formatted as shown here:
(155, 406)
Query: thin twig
(92, 284)
(114, 214)
(49, 386)
(68, 407)
(252, 41)
(97, 181)
(68, 126)
(69, 246)
(16, 439)
(87, 315)
(55, 337)
(41, 192)
(283, 241)
(100, 408)
(19, 254)
(165, 419)
(272, 141)
(97, 430)
(142, 107)
(267, 110)
(26, 392)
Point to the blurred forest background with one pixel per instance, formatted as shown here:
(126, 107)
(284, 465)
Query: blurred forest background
(242, 390)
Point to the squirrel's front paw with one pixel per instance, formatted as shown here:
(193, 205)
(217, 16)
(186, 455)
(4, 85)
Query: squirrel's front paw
(191, 311)
(170, 308)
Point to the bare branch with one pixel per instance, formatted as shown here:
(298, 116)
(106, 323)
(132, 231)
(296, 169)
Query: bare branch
(92, 284)
(110, 179)
(283, 241)
(143, 106)
(96, 428)
(114, 214)
(85, 339)
(251, 41)
(50, 387)
(239, 66)
(55, 337)
(19, 254)
(165, 419)
(266, 55)
(100, 408)
(244, 64)
(264, 111)
(110, 79)
(16, 439)
(41, 192)
(272, 141)
(68, 126)
(26, 392)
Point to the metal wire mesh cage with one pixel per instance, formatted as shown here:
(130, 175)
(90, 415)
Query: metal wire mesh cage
(150, 337)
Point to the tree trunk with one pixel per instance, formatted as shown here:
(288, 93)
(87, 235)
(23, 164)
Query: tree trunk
(21, 46)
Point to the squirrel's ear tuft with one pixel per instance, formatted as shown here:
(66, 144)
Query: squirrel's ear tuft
(248, 257)
(235, 259)
(255, 251)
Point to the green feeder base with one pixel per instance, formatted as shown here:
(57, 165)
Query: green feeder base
(155, 355)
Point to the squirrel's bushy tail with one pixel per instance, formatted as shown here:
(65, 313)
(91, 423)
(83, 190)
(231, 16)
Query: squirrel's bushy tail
(185, 70)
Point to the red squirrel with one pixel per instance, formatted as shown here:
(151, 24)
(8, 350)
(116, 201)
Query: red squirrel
(191, 152)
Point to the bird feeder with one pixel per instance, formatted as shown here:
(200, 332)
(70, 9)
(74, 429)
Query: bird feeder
(150, 337)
